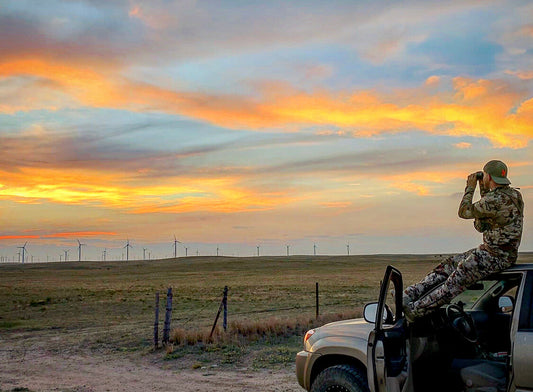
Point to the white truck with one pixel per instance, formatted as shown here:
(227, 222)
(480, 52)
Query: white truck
(481, 342)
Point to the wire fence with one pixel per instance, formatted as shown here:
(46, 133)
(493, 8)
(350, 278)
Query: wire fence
(200, 316)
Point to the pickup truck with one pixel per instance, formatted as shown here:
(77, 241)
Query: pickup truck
(481, 342)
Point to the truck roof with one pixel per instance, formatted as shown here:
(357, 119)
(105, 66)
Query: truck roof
(521, 267)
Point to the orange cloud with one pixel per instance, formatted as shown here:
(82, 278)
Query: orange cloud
(157, 19)
(432, 80)
(82, 84)
(463, 145)
(80, 234)
(524, 75)
(227, 201)
(422, 182)
(113, 190)
(480, 108)
(18, 237)
(527, 31)
(135, 11)
(337, 204)
(420, 190)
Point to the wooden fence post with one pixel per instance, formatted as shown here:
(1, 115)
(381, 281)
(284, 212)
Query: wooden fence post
(168, 314)
(317, 304)
(225, 302)
(156, 322)
(223, 305)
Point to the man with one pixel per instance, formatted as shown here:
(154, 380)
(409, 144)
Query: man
(499, 216)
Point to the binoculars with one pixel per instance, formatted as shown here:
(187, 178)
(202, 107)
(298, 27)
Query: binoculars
(479, 175)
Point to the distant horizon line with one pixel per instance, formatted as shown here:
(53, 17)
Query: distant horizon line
(438, 254)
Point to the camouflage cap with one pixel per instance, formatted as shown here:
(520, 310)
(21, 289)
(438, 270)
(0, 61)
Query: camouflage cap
(498, 172)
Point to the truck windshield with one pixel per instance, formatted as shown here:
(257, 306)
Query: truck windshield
(474, 292)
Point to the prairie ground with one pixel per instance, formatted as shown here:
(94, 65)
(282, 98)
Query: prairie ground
(93, 321)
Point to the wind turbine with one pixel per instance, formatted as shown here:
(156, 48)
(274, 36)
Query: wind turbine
(348, 249)
(23, 250)
(128, 246)
(176, 242)
(288, 246)
(258, 250)
(144, 253)
(314, 249)
(66, 254)
(79, 249)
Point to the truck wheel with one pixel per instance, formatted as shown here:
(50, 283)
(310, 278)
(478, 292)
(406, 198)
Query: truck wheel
(340, 378)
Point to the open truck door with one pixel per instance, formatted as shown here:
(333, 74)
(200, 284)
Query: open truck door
(387, 343)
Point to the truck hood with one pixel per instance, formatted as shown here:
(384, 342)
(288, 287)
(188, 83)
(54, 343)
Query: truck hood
(357, 328)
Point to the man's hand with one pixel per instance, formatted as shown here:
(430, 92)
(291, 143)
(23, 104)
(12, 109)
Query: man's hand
(471, 181)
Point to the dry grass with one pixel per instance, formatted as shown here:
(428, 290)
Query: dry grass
(111, 304)
(243, 332)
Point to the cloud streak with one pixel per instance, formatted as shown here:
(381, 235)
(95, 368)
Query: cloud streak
(492, 109)
(89, 169)
(80, 234)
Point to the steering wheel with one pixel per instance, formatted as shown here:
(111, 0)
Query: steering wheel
(462, 323)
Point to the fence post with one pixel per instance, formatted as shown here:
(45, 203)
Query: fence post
(222, 305)
(317, 304)
(168, 314)
(225, 302)
(156, 322)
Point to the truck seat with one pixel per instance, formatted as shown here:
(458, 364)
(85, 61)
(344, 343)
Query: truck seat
(488, 376)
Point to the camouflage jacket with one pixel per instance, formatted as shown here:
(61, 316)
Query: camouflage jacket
(499, 215)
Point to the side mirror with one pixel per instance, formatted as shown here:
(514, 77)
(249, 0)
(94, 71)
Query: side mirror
(370, 311)
(506, 304)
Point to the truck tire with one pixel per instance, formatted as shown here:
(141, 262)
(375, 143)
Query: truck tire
(340, 378)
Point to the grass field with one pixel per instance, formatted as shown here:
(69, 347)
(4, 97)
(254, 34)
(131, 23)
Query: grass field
(110, 305)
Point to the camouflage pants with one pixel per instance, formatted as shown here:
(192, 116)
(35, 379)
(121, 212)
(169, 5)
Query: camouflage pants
(457, 272)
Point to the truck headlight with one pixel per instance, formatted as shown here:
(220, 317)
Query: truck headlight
(308, 334)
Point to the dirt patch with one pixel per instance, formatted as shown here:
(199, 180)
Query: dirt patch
(39, 361)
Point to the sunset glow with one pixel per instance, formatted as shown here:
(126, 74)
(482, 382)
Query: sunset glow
(299, 123)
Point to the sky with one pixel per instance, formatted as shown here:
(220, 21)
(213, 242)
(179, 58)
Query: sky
(256, 126)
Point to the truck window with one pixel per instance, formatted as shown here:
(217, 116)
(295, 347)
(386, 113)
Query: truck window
(526, 309)
(390, 303)
(471, 295)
